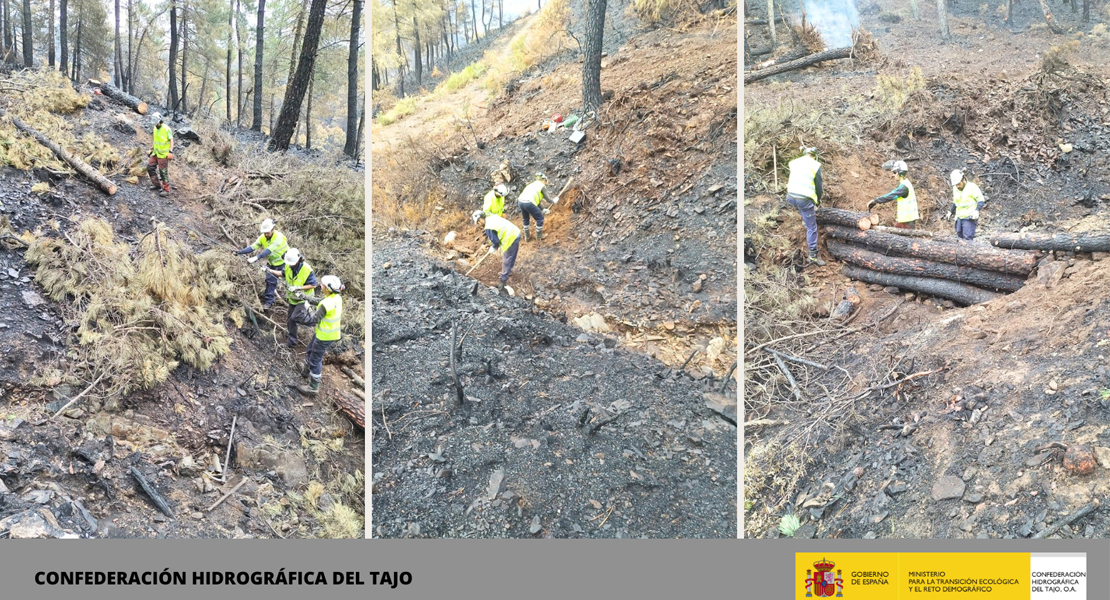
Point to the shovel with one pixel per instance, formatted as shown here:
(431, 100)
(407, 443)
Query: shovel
(479, 261)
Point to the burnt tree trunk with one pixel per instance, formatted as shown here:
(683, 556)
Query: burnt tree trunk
(63, 27)
(1017, 262)
(238, 64)
(416, 48)
(173, 56)
(1061, 242)
(840, 216)
(916, 267)
(400, 50)
(121, 96)
(794, 65)
(942, 288)
(942, 19)
(227, 74)
(50, 56)
(117, 61)
(184, 54)
(350, 144)
(591, 65)
(256, 121)
(295, 91)
(78, 165)
(28, 46)
(1049, 19)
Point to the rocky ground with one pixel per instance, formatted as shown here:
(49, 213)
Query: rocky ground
(293, 461)
(956, 452)
(560, 433)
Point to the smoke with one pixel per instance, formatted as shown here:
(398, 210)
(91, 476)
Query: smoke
(833, 19)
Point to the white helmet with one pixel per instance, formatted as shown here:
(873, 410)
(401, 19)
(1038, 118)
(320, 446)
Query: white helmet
(541, 177)
(956, 177)
(476, 215)
(267, 226)
(500, 189)
(899, 167)
(157, 117)
(292, 256)
(810, 150)
(332, 283)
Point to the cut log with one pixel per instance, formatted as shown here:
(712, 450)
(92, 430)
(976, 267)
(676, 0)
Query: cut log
(803, 62)
(916, 267)
(847, 218)
(1060, 242)
(355, 410)
(1018, 262)
(120, 96)
(941, 288)
(918, 233)
(874, 219)
(81, 166)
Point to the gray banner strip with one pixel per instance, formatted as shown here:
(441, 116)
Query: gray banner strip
(487, 568)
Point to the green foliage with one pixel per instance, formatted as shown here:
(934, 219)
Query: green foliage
(461, 78)
(402, 109)
(789, 525)
(139, 311)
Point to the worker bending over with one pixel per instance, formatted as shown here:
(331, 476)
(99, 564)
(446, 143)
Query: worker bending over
(505, 238)
(967, 201)
(529, 202)
(905, 215)
(273, 245)
(299, 278)
(804, 191)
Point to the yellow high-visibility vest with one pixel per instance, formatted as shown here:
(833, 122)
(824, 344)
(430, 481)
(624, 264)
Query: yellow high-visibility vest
(162, 136)
(907, 207)
(494, 204)
(803, 175)
(533, 192)
(327, 329)
(277, 245)
(506, 231)
(966, 199)
(297, 280)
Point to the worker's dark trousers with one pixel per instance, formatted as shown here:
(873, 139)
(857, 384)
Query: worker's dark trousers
(808, 211)
(508, 259)
(271, 284)
(528, 208)
(965, 229)
(315, 356)
(297, 314)
(158, 168)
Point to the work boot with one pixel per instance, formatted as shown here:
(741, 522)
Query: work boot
(539, 233)
(304, 370)
(814, 259)
(154, 185)
(311, 389)
(165, 190)
(526, 236)
(501, 288)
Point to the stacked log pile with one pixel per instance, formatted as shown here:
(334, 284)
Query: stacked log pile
(941, 266)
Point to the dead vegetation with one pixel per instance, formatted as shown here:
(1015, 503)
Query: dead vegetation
(139, 311)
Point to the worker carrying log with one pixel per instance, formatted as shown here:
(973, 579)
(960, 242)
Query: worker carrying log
(967, 201)
(161, 153)
(505, 238)
(530, 204)
(274, 246)
(494, 202)
(804, 192)
(299, 278)
(326, 318)
(905, 214)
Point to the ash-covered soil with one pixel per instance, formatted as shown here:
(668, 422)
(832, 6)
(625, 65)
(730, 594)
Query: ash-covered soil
(561, 433)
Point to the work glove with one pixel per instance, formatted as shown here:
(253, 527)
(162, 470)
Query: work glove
(555, 200)
(170, 156)
(291, 288)
(871, 205)
(974, 215)
(546, 210)
(252, 259)
(299, 294)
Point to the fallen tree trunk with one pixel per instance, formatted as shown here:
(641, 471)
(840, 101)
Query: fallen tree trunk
(120, 96)
(942, 288)
(1060, 242)
(917, 267)
(812, 59)
(917, 233)
(1018, 262)
(81, 166)
(847, 218)
(354, 409)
